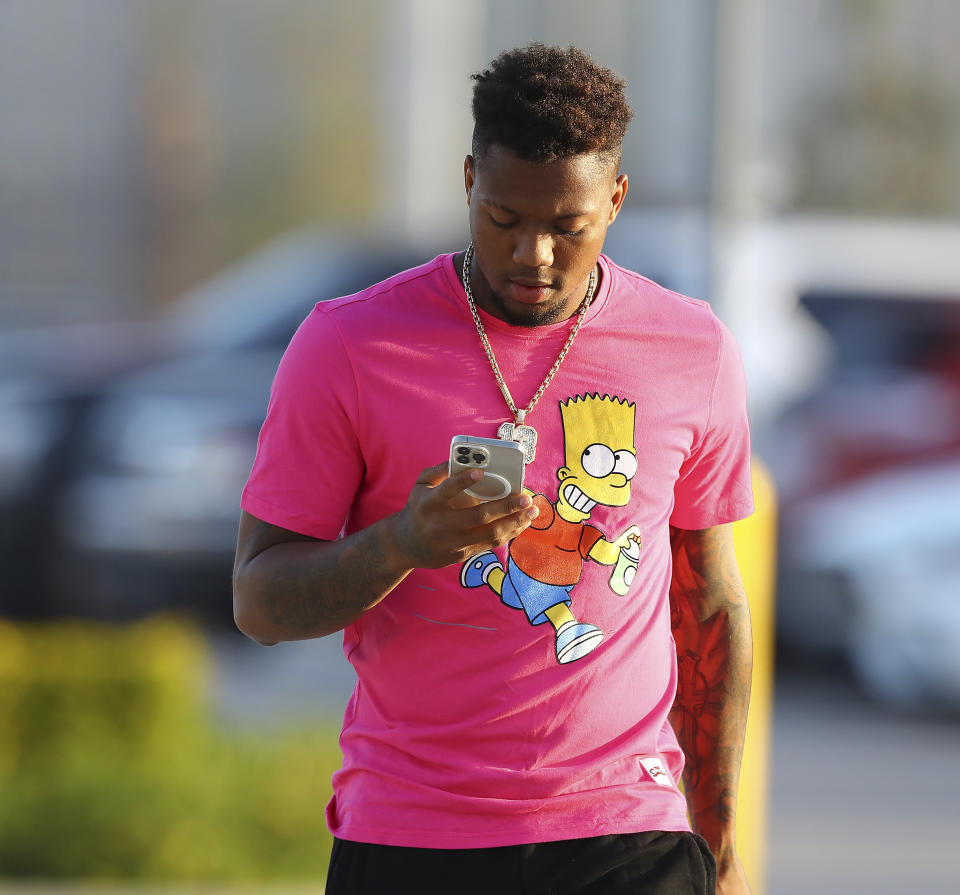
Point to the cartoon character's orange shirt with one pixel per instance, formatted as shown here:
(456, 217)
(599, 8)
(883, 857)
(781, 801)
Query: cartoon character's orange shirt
(552, 550)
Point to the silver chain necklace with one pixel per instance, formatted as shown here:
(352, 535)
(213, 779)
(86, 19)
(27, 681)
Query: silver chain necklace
(517, 430)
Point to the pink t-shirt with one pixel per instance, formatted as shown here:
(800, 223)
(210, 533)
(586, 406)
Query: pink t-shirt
(465, 730)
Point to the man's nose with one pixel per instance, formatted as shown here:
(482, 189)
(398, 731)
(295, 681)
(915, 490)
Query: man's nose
(534, 250)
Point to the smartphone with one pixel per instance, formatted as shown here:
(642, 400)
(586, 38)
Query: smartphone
(502, 464)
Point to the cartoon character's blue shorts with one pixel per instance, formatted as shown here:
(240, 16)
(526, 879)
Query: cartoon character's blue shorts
(520, 591)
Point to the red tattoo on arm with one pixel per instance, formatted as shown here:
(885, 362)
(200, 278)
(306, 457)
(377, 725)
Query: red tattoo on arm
(711, 627)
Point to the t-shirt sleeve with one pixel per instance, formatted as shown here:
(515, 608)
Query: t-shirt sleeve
(714, 484)
(308, 465)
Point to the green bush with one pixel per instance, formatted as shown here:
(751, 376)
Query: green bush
(111, 768)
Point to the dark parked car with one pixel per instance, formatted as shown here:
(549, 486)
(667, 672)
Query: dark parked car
(149, 518)
(50, 376)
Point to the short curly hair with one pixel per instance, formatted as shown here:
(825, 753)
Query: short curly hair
(545, 103)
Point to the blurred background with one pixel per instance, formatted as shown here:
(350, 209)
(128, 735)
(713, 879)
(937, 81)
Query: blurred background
(181, 181)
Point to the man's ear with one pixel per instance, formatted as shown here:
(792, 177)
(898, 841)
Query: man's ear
(616, 200)
(468, 176)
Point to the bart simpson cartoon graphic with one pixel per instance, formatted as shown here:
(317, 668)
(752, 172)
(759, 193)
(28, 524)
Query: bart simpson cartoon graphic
(545, 561)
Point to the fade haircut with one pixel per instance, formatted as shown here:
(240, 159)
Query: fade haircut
(546, 103)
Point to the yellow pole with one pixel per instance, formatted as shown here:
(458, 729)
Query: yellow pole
(755, 541)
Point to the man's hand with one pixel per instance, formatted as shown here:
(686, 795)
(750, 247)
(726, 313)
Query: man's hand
(441, 524)
(731, 877)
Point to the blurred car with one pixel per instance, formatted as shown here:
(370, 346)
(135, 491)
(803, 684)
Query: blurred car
(887, 547)
(868, 467)
(150, 518)
(49, 378)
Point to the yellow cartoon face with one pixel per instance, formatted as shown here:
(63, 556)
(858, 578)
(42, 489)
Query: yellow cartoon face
(599, 454)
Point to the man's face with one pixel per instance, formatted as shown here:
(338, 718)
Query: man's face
(537, 231)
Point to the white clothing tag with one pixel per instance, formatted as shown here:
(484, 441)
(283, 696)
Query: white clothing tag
(654, 767)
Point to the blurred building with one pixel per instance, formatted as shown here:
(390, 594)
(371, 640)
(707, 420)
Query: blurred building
(147, 143)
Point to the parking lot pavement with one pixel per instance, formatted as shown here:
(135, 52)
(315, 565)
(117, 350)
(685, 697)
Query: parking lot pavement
(862, 800)
(269, 686)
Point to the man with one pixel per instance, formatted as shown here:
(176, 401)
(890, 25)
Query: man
(485, 750)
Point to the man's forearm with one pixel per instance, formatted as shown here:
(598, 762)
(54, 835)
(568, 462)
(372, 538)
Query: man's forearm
(287, 586)
(302, 589)
(711, 627)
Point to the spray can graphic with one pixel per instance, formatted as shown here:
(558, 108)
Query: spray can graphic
(626, 568)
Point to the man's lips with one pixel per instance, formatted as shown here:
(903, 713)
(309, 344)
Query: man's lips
(529, 291)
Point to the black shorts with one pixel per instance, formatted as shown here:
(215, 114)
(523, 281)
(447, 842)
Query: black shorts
(649, 863)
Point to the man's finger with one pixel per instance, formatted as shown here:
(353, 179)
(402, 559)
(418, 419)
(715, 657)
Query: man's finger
(457, 484)
(433, 475)
(520, 505)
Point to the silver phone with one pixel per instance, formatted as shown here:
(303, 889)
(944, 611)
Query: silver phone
(502, 464)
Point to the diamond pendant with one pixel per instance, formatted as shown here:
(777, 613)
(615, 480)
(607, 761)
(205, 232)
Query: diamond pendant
(525, 435)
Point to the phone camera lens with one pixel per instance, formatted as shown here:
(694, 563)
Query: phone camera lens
(463, 451)
(478, 458)
(462, 459)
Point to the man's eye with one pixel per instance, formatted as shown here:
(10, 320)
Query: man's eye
(503, 225)
(571, 232)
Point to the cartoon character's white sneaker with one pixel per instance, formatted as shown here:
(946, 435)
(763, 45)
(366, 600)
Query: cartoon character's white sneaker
(477, 569)
(575, 640)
